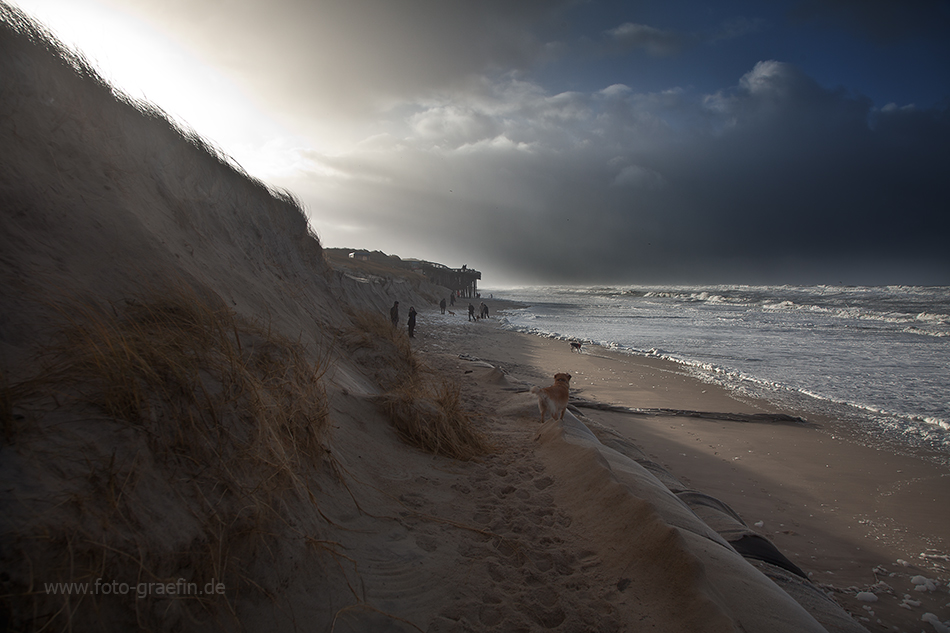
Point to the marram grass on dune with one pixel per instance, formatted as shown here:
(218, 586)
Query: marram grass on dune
(166, 395)
(425, 409)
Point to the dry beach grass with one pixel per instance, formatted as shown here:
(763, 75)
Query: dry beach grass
(234, 414)
(424, 407)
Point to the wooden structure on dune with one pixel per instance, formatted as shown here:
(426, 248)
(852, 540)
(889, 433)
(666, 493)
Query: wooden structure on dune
(462, 281)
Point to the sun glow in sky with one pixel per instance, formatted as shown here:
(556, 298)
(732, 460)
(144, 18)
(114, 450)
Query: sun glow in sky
(565, 141)
(147, 64)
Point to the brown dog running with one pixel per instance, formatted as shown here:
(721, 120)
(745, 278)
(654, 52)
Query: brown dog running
(553, 399)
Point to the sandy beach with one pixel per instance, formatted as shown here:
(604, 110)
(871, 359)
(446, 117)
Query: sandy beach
(857, 519)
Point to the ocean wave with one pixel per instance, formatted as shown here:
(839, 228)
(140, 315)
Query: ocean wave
(933, 431)
(868, 302)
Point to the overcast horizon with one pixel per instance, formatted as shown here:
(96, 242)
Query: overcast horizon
(570, 142)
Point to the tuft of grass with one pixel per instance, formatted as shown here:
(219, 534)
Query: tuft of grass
(425, 410)
(430, 416)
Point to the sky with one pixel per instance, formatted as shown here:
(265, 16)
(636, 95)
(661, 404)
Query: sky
(570, 141)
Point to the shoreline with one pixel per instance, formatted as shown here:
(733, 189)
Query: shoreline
(888, 413)
(854, 428)
(855, 518)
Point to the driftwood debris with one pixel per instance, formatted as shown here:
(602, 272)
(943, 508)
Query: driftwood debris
(773, 418)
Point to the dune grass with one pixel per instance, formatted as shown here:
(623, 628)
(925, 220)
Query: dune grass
(429, 415)
(425, 409)
(234, 418)
(195, 376)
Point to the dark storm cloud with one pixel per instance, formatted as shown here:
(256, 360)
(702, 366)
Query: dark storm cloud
(802, 173)
(774, 178)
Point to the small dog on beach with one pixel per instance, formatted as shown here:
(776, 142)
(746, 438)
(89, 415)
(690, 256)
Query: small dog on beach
(575, 346)
(553, 400)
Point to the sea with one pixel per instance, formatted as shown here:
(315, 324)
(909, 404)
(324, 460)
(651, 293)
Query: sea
(874, 358)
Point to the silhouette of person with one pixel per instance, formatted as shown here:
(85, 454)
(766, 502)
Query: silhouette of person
(471, 312)
(394, 314)
(412, 321)
(442, 306)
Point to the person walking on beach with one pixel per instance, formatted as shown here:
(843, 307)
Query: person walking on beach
(452, 299)
(394, 314)
(442, 306)
(471, 313)
(412, 322)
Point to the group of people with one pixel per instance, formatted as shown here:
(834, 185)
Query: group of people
(482, 312)
(394, 317)
(394, 314)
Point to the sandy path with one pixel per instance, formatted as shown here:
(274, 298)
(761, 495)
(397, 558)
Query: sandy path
(435, 544)
(528, 569)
